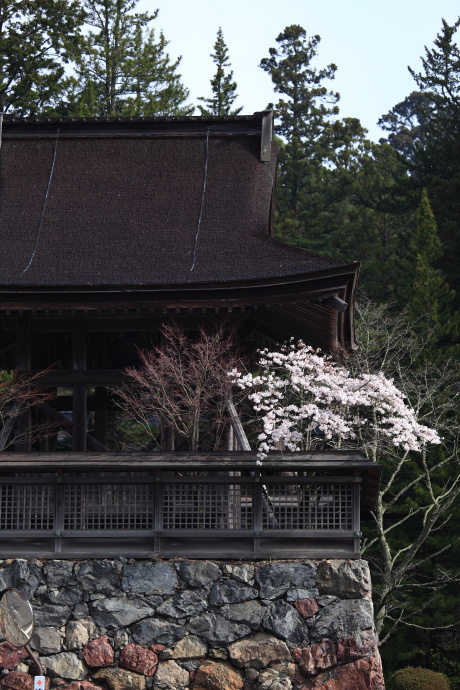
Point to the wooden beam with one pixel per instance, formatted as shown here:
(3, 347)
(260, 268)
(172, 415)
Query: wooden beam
(23, 364)
(101, 403)
(79, 411)
(89, 377)
(237, 427)
(266, 136)
(56, 416)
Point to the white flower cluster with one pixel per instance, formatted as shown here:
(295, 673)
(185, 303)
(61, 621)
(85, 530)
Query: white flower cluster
(304, 396)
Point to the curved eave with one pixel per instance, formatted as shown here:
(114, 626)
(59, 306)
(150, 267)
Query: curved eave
(282, 306)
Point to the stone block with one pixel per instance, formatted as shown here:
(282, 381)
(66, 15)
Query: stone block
(363, 674)
(77, 633)
(6, 574)
(15, 680)
(344, 578)
(307, 607)
(258, 651)
(242, 573)
(215, 675)
(99, 652)
(231, 592)
(353, 647)
(190, 647)
(115, 612)
(271, 679)
(299, 593)
(69, 596)
(138, 659)
(216, 629)
(27, 576)
(275, 579)
(318, 657)
(249, 613)
(51, 615)
(65, 665)
(118, 679)
(11, 656)
(47, 640)
(58, 573)
(284, 621)
(342, 618)
(199, 573)
(186, 603)
(101, 577)
(170, 676)
(149, 578)
(154, 631)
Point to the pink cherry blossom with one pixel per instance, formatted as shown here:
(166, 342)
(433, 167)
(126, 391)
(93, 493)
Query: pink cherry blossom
(305, 399)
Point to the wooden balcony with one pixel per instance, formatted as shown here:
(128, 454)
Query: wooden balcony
(199, 505)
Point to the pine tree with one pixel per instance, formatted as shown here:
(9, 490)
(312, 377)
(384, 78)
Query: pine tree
(319, 152)
(36, 37)
(123, 68)
(222, 84)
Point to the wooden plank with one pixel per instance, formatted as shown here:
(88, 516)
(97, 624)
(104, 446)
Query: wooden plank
(266, 137)
(311, 459)
(237, 427)
(111, 551)
(142, 478)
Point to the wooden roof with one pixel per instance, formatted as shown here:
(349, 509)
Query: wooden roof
(143, 212)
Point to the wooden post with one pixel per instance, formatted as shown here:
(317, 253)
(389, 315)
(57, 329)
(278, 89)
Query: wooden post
(24, 364)
(79, 389)
(100, 415)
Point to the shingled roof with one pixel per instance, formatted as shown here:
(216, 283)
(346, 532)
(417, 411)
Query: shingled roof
(143, 202)
(162, 216)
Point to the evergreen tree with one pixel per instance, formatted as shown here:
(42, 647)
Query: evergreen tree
(36, 37)
(431, 147)
(222, 84)
(121, 69)
(407, 123)
(427, 296)
(319, 152)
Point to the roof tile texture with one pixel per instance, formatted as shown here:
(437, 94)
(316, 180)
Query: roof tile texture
(126, 211)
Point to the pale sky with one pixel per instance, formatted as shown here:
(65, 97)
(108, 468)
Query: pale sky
(371, 41)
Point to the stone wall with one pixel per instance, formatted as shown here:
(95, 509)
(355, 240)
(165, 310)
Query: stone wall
(119, 624)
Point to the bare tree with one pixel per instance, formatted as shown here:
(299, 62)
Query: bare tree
(20, 393)
(184, 385)
(418, 490)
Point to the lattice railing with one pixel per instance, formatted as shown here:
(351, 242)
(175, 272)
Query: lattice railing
(164, 512)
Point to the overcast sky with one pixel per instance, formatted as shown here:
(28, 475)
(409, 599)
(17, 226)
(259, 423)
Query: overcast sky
(371, 41)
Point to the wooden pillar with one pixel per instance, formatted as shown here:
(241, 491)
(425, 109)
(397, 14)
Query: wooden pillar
(79, 390)
(24, 364)
(100, 414)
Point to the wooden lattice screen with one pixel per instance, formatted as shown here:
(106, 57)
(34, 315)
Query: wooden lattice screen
(168, 512)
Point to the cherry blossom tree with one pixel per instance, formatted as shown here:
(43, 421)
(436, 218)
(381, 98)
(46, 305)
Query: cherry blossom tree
(307, 401)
